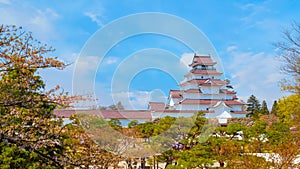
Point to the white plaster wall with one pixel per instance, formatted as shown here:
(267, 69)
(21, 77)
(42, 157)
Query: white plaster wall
(161, 115)
(236, 107)
(210, 90)
(191, 95)
(204, 77)
(220, 109)
(191, 107)
(238, 115)
(189, 86)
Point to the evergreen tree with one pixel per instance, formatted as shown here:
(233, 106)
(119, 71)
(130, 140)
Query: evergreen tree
(264, 108)
(253, 106)
(274, 108)
(117, 106)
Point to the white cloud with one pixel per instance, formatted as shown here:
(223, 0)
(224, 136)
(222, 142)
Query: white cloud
(231, 48)
(187, 58)
(255, 73)
(247, 6)
(87, 66)
(5, 2)
(94, 17)
(133, 100)
(38, 21)
(110, 60)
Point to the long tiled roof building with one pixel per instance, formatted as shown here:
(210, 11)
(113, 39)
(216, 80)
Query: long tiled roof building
(202, 89)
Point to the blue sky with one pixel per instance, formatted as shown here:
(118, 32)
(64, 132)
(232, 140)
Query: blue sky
(242, 33)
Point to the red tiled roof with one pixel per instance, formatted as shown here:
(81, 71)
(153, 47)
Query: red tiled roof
(126, 114)
(192, 91)
(202, 60)
(219, 81)
(227, 91)
(185, 111)
(108, 114)
(210, 102)
(234, 102)
(64, 113)
(205, 72)
(205, 82)
(238, 112)
(210, 84)
(175, 94)
(156, 106)
(193, 81)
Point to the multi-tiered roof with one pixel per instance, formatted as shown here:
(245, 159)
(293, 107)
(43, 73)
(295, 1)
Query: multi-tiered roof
(203, 88)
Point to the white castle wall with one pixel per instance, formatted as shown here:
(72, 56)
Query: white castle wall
(207, 96)
(195, 107)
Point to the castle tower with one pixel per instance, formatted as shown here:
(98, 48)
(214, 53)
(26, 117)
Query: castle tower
(203, 89)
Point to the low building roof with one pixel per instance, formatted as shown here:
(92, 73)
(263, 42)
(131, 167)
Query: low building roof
(154, 106)
(107, 114)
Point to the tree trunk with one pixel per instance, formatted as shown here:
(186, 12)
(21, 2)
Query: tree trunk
(222, 164)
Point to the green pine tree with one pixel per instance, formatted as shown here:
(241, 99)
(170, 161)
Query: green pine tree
(253, 106)
(274, 109)
(264, 108)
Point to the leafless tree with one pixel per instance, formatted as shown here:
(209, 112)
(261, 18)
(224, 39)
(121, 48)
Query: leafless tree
(289, 52)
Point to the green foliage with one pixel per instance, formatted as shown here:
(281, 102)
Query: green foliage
(133, 123)
(274, 109)
(12, 157)
(278, 133)
(197, 157)
(289, 108)
(115, 123)
(30, 134)
(233, 128)
(258, 129)
(253, 106)
(264, 109)
(222, 147)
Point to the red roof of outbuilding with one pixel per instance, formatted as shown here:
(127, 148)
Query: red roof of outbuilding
(126, 114)
(64, 113)
(156, 106)
(107, 114)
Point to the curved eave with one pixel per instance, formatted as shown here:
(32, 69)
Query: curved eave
(205, 72)
(239, 112)
(205, 64)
